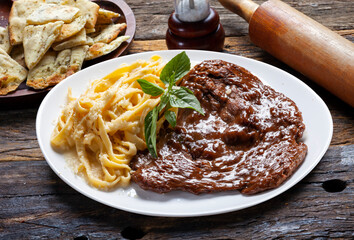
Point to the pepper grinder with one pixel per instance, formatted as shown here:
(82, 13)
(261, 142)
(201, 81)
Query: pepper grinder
(194, 25)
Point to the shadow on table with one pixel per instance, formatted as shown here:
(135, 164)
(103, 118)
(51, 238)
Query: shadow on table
(80, 210)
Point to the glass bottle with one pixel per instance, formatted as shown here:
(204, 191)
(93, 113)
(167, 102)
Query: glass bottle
(194, 25)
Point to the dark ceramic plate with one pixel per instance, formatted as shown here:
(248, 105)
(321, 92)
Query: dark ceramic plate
(24, 95)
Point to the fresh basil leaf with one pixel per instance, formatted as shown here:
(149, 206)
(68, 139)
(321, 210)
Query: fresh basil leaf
(179, 65)
(171, 82)
(150, 88)
(182, 98)
(163, 102)
(150, 131)
(187, 89)
(172, 96)
(171, 118)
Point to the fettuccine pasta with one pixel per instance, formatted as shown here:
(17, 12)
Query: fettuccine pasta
(105, 125)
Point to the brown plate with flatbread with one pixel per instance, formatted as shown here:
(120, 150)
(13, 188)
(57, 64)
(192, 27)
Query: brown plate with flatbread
(24, 94)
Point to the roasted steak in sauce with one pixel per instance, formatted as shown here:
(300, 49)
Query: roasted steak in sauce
(247, 140)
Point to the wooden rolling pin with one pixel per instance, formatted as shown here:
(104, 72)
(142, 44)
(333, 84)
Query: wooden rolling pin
(302, 43)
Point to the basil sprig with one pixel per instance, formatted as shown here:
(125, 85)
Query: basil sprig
(172, 96)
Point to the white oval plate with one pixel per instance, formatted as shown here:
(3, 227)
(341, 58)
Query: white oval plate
(317, 137)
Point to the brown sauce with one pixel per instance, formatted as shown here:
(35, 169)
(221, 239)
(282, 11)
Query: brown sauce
(248, 139)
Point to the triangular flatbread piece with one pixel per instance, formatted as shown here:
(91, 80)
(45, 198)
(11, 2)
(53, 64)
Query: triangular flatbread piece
(17, 53)
(51, 13)
(54, 67)
(12, 74)
(90, 30)
(44, 73)
(100, 49)
(77, 59)
(106, 16)
(5, 39)
(72, 28)
(77, 40)
(109, 32)
(17, 20)
(88, 9)
(38, 39)
(56, 1)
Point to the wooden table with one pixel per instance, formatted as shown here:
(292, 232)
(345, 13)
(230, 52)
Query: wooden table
(35, 203)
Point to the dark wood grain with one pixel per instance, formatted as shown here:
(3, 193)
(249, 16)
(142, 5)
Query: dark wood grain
(36, 204)
(336, 15)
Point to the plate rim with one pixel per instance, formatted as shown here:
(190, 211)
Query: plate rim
(206, 212)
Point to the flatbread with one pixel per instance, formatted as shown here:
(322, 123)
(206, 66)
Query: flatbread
(38, 39)
(54, 67)
(88, 9)
(89, 41)
(70, 29)
(46, 13)
(17, 19)
(12, 74)
(18, 54)
(90, 30)
(77, 40)
(106, 16)
(5, 40)
(100, 49)
(45, 73)
(56, 1)
(77, 59)
(109, 33)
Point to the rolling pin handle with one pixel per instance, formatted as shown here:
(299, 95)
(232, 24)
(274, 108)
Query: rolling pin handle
(243, 8)
(302, 43)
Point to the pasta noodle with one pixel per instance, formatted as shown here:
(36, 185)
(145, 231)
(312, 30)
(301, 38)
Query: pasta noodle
(105, 125)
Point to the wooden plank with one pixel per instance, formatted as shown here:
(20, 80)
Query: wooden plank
(35, 203)
(18, 138)
(240, 45)
(152, 16)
